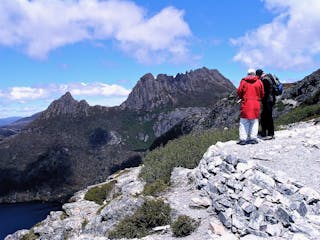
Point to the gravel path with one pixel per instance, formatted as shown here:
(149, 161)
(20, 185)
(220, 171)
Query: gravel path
(295, 151)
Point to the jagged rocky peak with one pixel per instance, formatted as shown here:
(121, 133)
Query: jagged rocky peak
(146, 77)
(65, 105)
(200, 87)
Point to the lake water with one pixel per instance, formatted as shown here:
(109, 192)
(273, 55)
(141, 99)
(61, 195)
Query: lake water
(18, 216)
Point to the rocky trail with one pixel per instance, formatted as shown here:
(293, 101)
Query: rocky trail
(294, 151)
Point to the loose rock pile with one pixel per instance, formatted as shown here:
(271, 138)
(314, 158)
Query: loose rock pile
(251, 199)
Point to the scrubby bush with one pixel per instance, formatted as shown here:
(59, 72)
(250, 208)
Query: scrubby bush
(99, 193)
(298, 114)
(185, 151)
(30, 236)
(151, 214)
(63, 216)
(184, 226)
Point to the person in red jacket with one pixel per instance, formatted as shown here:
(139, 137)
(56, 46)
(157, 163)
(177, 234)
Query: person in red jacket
(250, 91)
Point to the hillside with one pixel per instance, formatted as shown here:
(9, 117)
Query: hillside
(230, 195)
(71, 144)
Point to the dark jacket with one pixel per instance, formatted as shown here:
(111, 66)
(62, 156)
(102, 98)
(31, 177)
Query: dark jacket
(250, 91)
(269, 96)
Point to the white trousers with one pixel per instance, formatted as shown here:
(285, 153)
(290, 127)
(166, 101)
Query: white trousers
(248, 129)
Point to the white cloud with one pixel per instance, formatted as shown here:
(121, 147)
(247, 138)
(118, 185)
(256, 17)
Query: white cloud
(55, 90)
(22, 93)
(157, 37)
(291, 41)
(95, 89)
(38, 27)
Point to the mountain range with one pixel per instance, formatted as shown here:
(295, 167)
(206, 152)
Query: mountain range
(71, 144)
(6, 121)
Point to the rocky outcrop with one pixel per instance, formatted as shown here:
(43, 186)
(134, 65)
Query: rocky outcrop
(224, 114)
(305, 91)
(82, 219)
(198, 88)
(251, 199)
(166, 120)
(66, 105)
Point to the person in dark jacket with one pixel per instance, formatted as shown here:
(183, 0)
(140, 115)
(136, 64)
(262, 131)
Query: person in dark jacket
(268, 101)
(250, 91)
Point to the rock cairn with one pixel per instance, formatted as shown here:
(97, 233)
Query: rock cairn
(252, 200)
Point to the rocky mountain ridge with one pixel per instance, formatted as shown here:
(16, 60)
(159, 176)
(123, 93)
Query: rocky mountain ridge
(198, 88)
(71, 144)
(232, 196)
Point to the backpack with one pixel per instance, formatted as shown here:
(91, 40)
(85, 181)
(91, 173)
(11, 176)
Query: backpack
(276, 84)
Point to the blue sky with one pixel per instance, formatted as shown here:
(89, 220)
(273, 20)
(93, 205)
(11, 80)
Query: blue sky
(98, 50)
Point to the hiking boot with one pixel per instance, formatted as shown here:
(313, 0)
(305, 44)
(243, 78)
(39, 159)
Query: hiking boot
(268, 137)
(242, 142)
(253, 141)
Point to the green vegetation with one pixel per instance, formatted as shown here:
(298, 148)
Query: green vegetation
(84, 223)
(63, 216)
(280, 106)
(100, 193)
(154, 188)
(314, 99)
(301, 113)
(185, 151)
(121, 172)
(184, 226)
(30, 236)
(151, 214)
(131, 124)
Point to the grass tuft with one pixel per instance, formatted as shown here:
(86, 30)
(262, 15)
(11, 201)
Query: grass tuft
(100, 193)
(184, 226)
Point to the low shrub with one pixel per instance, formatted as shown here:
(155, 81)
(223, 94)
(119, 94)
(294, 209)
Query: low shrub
(151, 214)
(63, 216)
(99, 193)
(155, 188)
(184, 226)
(301, 113)
(185, 151)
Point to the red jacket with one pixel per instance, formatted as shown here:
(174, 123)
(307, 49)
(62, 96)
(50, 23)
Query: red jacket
(250, 91)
